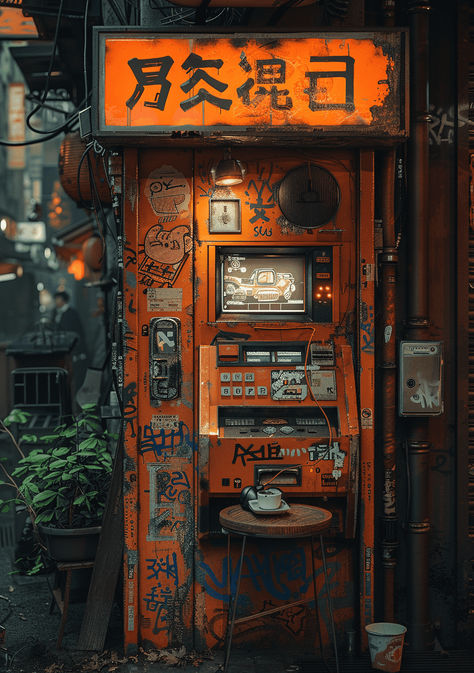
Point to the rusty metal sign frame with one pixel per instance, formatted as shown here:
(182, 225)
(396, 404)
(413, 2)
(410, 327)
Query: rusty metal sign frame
(390, 123)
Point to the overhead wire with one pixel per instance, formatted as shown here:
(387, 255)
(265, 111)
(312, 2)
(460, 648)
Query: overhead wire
(50, 70)
(68, 125)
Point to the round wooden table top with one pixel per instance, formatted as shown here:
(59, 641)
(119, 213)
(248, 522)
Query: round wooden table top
(298, 521)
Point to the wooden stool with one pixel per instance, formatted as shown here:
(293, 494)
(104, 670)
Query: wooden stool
(301, 521)
(62, 601)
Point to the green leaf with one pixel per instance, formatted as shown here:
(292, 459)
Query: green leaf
(45, 517)
(16, 416)
(55, 464)
(29, 439)
(46, 439)
(88, 443)
(55, 474)
(44, 497)
(61, 451)
(35, 457)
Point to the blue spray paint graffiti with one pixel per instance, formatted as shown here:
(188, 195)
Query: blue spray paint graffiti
(165, 566)
(264, 195)
(272, 571)
(262, 231)
(158, 600)
(367, 329)
(163, 442)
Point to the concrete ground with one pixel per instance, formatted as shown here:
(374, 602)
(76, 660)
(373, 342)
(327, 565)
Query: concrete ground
(31, 633)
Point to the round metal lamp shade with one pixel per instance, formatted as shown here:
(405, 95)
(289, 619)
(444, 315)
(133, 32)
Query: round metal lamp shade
(309, 196)
(228, 172)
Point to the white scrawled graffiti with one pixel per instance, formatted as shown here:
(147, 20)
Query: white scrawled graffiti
(443, 124)
(427, 393)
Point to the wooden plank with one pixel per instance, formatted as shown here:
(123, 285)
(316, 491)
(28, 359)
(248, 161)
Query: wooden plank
(107, 565)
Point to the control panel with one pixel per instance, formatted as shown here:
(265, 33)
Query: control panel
(275, 411)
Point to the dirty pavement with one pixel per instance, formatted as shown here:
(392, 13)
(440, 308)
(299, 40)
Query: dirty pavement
(31, 633)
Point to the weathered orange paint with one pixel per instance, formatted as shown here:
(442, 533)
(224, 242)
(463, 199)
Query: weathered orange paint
(377, 82)
(126, 307)
(175, 571)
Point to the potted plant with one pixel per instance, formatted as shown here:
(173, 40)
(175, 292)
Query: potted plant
(62, 484)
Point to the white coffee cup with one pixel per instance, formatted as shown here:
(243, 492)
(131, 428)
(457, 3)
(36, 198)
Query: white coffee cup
(269, 498)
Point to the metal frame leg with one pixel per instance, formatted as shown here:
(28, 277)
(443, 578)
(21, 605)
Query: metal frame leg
(328, 596)
(65, 609)
(230, 629)
(316, 602)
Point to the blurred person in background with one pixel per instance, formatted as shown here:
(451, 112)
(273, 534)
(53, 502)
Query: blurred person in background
(65, 318)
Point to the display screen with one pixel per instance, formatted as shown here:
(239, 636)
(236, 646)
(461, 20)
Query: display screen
(265, 283)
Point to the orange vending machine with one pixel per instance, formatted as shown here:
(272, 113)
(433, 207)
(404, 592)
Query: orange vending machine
(244, 306)
(245, 186)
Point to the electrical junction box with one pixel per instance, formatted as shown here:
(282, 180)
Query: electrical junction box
(421, 378)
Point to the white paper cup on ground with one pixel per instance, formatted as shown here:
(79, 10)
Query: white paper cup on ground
(386, 645)
(269, 498)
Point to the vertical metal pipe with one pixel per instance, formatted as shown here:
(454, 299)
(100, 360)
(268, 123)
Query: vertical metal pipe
(418, 323)
(389, 259)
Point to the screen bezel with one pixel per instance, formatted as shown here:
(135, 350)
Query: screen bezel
(261, 251)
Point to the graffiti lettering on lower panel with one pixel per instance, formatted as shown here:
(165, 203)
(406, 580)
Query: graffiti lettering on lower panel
(271, 451)
(165, 567)
(284, 575)
(159, 601)
(170, 501)
(164, 443)
(272, 571)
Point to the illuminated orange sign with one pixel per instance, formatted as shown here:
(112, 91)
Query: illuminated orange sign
(14, 25)
(158, 84)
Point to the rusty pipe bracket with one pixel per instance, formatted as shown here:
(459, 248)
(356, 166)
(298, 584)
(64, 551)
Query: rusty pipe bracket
(419, 527)
(416, 6)
(389, 256)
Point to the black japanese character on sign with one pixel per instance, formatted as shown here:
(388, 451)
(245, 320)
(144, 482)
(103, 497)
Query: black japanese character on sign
(153, 78)
(347, 74)
(269, 71)
(196, 63)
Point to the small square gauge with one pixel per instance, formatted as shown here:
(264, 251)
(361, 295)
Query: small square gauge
(224, 216)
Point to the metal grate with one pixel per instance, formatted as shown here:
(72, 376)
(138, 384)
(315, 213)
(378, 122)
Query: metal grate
(7, 532)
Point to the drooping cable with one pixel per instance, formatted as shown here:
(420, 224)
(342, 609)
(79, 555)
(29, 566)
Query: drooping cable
(50, 69)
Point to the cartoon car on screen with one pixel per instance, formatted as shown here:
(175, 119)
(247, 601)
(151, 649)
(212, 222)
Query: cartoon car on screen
(262, 285)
